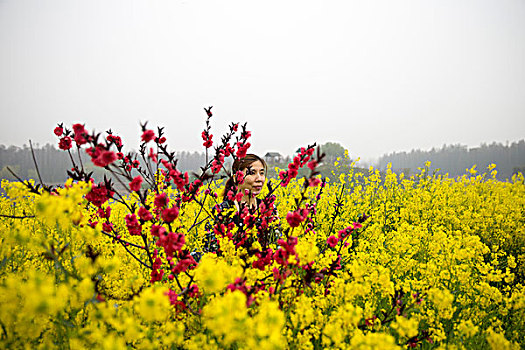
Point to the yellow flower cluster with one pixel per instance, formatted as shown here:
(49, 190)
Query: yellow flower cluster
(439, 262)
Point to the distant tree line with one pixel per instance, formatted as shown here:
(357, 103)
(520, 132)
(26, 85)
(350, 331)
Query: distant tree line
(452, 159)
(455, 159)
(52, 163)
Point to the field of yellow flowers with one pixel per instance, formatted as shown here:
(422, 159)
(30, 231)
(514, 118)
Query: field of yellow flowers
(381, 262)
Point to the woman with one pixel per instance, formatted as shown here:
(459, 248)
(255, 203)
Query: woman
(241, 207)
(251, 181)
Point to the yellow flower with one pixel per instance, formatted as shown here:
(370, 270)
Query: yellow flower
(213, 274)
(406, 327)
(153, 304)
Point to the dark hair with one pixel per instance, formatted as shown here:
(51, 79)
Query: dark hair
(240, 164)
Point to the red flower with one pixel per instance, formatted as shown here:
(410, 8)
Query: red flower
(157, 231)
(107, 227)
(228, 150)
(135, 184)
(207, 139)
(171, 242)
(242, 149)
(180, 180)
(80, 134)
(104, 213)
(240, 177)
(65, 143)
(238, 196)
(144, 214)
(153, 155)
(115, 139)
(348, 230)
(184, 264)
(148, 135)
(105, 158)
(98, 195)
(170, 214)
(332, 241)
(59, 131)
(133, 225)
(296, 217)
(161, 200)
(78, 128)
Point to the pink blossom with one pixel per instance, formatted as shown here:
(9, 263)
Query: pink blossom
(105, 158)
(135, 184)
(65, 143)
(332, 241)
(133, 225)
(145, 214)
(170, 214)
(296, 217)
(161, 200)
(148, 135)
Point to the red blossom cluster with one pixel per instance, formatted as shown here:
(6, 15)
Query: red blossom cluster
(186, 261)
(295, 217)
(144, 214)
(161, 200)
(298, 162)
(265, 259)
(116, 140)
(135, 184)
(148, 135)
(170, 214)
(332, 241)
(133, 225)
(179, 179)
(65, 143)
(100, 156)
(81, 135)
(156, 268)
(207, 138)
(218, 160)
(287, 248)
(347, 231)
(99, 195)
(171, 242)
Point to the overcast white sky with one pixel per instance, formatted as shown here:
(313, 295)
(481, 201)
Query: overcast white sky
(376, 76)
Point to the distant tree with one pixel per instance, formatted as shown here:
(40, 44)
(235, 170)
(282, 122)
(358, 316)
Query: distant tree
(455, 159)
(333, 150)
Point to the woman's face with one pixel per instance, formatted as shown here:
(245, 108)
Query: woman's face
(254, 177)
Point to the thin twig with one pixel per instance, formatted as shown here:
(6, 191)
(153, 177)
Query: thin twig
(133, 255)
(36, 165)
(17, 217)
(80, 158)
(123, 241)
(32, 189)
